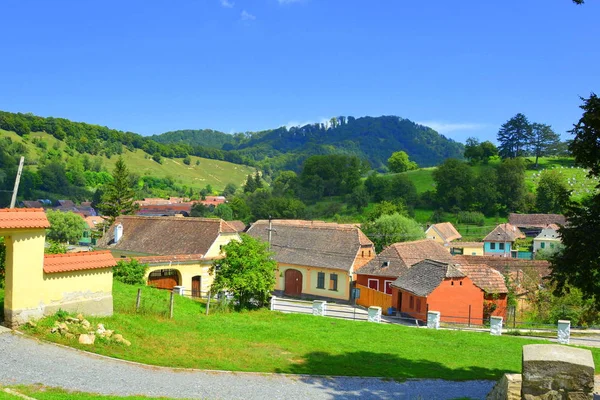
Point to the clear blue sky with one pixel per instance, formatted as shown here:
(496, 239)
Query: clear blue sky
(464, 67)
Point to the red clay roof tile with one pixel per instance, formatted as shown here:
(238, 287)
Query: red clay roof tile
(54, 263)
(23, 218)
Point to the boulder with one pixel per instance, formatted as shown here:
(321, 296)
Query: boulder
(508, 388)
(63, 327)
(80, 317)
(556, 372)
(86, 324)
(100, 330)
(87, 339)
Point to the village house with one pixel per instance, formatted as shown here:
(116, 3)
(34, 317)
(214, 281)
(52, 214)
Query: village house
(500, 241)
(470, 248)
(532, 224)
(443, 233)
(462, 294)
(316, 260)
(179, 251)
(38, 284)
(548, 239)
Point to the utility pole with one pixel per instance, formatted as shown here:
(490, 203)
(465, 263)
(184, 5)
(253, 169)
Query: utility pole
(270, 230)
(17, 180)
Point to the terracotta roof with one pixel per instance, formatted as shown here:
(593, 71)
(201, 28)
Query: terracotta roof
(466, 244)
(397, 258)
(504, 233)
(538, 268)
(54, 263)
(93, 221)
(23, 218)
(446, 230)
(238, 225)
(536, 220)
(165, 210)
(165, 235)
(32, 204)
(423, 277)
(165, 259)
(313, 244)
(485, 277)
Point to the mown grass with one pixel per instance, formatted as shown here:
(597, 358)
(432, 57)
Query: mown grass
(48, 393)
(214, 172)
(265, 341)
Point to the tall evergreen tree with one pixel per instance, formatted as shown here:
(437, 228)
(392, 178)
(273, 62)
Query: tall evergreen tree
(544, 140)
(514, 136)
(117, 198)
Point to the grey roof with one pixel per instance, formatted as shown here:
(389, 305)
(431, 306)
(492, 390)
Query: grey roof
(313, 244)
(395, 259)
(423, 277)
(536, 220)
(504, 233)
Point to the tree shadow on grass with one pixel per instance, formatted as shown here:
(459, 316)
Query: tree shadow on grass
(398, 374)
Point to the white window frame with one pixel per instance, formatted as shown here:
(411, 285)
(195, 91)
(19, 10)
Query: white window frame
(385, 286)
(369, 283)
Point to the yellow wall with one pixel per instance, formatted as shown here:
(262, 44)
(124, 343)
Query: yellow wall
(309, 281)
(222, 240)
(473, 251)
(66, 289)
(186, 272)
(433, 234)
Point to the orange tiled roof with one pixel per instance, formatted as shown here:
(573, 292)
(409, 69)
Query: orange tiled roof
(165, 259)
(23, 218)
(82, 261)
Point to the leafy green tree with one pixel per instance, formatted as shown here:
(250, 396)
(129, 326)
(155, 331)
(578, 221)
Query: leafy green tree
(330, 175)
(131, 272)
(65, 227)
(200, 210)
(477, 152)
(157, 157)
(117, 196)
(56, 248)
(399, 162)
(578, 265)
(511, 185)
(187, 160)
(229, 190)
(454, 184)
(247, 272)
(485, 191)
(552, 193)
(359, 198)
(240, 209)
(250, 185)
(387, 208)
(286, 184)
(394, 228)
(543, 141)
(514, 136)
(224, 212)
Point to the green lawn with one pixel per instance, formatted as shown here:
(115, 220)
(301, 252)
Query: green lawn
(214, 172)
(265, 341)
(45, 393)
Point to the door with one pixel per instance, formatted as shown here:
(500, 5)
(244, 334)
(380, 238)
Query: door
(196, 286)
(164, 279)
(293, 282)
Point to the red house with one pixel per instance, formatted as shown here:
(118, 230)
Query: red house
(396, 259)
(447, 288)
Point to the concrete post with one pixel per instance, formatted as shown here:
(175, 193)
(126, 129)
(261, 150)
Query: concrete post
(433, 319)
(564, 331)
(320, 308)
(179, 290)
(496, 326)
(374, 314)
(272, 303)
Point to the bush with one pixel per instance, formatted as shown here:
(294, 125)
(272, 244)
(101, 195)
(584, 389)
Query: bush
(471, 218)
(130, 272)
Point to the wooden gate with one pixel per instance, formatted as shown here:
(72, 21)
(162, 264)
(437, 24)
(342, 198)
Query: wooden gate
(369, 297)
(293, 282)
(197, 286)
(164, 279)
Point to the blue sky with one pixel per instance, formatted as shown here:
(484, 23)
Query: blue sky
(463, 67)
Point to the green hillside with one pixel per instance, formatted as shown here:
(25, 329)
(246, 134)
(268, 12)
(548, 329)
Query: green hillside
(213, 172)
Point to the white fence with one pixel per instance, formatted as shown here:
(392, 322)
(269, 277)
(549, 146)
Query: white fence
(319, 308)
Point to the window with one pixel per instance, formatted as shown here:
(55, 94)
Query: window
(492, 246)
(501, 246)
(373, 284)
(321, 280)
(333, 282)
(460, 283)
(452, 283)
(388, 288)
(362, 253)
(412, 302)
(551, 245)
(543, 245)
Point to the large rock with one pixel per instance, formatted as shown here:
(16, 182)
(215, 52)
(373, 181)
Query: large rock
(555, 372)
(87, 339)
(508, 388)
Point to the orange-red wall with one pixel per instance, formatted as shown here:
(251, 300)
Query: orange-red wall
(364, 280)
(501, 304)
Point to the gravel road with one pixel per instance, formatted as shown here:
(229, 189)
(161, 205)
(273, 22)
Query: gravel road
(25, 360)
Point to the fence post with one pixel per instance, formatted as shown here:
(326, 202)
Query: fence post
(564, 331)
(469, 315)
(496, 326)
(138, 299)
(272, 303)
(179, 290)
(207, 302)
(171, 301)
(433, 319)
(514, 317)
(319, 308)
(374, 314)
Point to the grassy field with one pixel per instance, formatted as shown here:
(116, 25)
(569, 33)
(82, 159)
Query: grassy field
(214, 172)
(45, 393)
(265, 341)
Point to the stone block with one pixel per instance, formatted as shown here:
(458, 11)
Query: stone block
(319, 308)
(555, 372)
(564, 331)
(433, 319)
(507, 388)
(374, 314)
(496, 326)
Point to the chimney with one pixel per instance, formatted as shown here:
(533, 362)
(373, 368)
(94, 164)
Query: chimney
(118, 232)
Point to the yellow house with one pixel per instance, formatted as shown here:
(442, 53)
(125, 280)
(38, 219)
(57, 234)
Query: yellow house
(179, 251)
(443, 233)
(316, 260)
(37, 285)
(466, 248)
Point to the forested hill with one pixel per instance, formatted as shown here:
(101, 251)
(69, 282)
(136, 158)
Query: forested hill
(371, 138)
